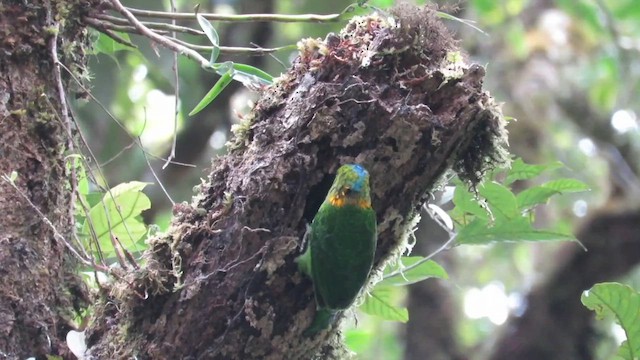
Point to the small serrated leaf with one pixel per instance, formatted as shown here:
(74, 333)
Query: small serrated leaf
(480, 232)
(523, 171)
(501, 200)
(566, 185)
(467, 203)
(378, 303)
(623, 302)
(534, 196)
(542, 193)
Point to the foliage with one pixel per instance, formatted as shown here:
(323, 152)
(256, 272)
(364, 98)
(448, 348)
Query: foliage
(248, 75)
(110, 221)
(623, 303)
(408, 270)
(493, 213)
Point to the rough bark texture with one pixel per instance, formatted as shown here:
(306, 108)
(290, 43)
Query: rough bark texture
(38, 288)
(556, 325)
(223, 283)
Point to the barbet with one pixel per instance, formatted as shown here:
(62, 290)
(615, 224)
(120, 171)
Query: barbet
(341, 245)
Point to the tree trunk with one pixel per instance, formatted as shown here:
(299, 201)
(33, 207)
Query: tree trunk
(39, 291)
(223, 284)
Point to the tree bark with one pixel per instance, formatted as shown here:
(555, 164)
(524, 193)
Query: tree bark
(40, 292)
(222, 284)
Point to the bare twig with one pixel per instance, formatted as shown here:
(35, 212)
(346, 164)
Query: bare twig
(171, 45)
(151, 25)
(176, 79)
(117, 122)
(234, 50)
(106, 27)
(66, 123)
(239, 18)
(153, 171)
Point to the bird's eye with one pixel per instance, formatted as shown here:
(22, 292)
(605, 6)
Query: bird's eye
(347, 191)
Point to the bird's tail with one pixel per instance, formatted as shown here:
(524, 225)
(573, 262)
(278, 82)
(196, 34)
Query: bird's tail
(322, 320)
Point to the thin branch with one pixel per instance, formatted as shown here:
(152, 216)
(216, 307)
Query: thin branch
(151, 25)
(442, 248)
(171, 45)
(176, 79)
(151, 167)
(105, 27)
(66, 123)
(233, 50)
(117, 122)
(239, 17)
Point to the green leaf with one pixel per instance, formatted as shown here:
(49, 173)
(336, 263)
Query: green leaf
(501, 200)
(467, 203)
(480, 232)
(118, 214)
(540, 194)
(566, 185)
(534, 196)
(106, 45)
(522, 171)
(411, 269)
(623, 303)
(378, 303)
(212, 34)
(252, 74)
(217, 88)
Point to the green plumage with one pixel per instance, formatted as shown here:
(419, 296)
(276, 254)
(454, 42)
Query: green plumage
(341, 245)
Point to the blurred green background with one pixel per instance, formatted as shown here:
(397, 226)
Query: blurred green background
(568, 71)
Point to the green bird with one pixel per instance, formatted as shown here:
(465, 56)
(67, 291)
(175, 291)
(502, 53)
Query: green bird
(341, 245)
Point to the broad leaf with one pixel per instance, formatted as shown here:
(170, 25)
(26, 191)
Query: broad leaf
(118, 214)
(623, 303)
(481, 232)
(540, 194)
(501, 200)
(378, 303)
(467, 204)
(522, 171)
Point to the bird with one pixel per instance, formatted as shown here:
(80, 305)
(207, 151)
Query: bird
(341, 245)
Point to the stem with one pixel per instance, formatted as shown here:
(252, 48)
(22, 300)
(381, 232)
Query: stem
(238, 17)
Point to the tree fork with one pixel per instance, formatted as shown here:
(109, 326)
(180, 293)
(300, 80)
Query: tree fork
(393, 95)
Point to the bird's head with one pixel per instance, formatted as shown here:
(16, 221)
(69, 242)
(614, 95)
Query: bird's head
(351, 187)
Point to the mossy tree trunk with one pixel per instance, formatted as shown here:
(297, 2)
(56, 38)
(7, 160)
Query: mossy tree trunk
(394, 96)
(391, 95)
(39, 293)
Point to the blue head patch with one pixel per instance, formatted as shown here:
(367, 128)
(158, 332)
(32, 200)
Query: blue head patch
(362, 175)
